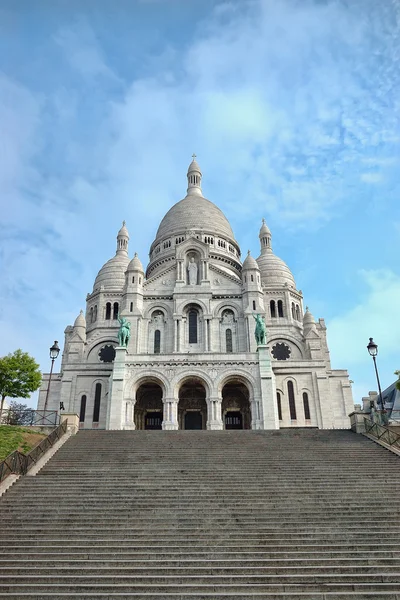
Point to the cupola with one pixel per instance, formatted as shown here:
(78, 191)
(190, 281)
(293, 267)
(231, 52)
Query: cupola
(80, 326)
(194, 178)
(308, 322)
(250, 263)
(122, 239)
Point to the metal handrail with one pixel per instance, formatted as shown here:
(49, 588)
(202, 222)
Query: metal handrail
(382, 433)
(19, 463)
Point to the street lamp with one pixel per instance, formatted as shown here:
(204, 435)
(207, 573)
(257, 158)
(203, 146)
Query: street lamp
(54, 352)
(373, 351)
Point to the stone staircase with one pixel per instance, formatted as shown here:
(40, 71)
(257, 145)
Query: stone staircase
(194, 515)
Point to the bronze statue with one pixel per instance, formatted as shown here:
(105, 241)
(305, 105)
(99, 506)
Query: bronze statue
(124, 332)
(260, 331)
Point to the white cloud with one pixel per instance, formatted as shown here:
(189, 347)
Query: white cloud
(377, 316)
(371, 177)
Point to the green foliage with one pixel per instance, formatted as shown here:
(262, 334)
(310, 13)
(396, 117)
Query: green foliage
(19, 376)
(14, 438)
(19, 414)
(398, 381)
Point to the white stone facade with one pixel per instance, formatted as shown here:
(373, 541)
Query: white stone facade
(192, 360)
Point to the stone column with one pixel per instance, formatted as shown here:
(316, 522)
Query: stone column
(129, 422)
(214, 413)
(267, 403)
(170, 416)
(115, 414)
(205, 335)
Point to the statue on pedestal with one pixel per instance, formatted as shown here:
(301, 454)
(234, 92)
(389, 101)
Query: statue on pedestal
(124, 332)
(192, 272)
(260, 331)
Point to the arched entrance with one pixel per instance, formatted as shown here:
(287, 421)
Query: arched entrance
(236, 413)
(192, 406)
(148, 406)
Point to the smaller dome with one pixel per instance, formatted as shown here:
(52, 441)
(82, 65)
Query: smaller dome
(80, 320)
(264, 230)
(250, 262)
(308, 318)
(135, 264)
(112, 274)
(194, 166)
(123, 232)
(274, 271)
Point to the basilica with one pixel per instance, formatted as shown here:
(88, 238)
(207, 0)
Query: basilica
(192, 360)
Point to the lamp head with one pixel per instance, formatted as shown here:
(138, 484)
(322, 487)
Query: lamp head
(372, 347)
(54, 350)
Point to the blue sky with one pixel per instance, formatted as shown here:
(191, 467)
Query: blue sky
(291, 107)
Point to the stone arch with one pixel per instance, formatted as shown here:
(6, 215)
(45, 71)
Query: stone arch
(148, 404)
(92, 352)
(193, 373)
(237, 402)
(192, 244)
(147, 376)
(157, 305)
(192, 403)
(226, 305)
(95, 404)
(182, 308)
(290, 339)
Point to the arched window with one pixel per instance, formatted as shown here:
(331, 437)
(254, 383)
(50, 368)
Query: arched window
(115, 312)
(252, 278)
(108, 311)
(82, 411)
(292, 403)
(95, 313)
(293, 311)
(228, 338)
(192, 326)
(306, 406)
(297, 312)
(157, 341)
(254, 305)
(91, 315)
(280, 308)
(272, 308)
(131, 307)
(279, 403)
(133, 279)
(97, 398)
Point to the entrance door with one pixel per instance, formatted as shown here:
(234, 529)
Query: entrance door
(233, 420)
(153, 420)
(193, 420)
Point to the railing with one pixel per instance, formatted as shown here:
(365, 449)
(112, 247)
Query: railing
(30, 417)
(382, 433)
(19, 463)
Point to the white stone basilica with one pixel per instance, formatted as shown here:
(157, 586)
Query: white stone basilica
(192, 361)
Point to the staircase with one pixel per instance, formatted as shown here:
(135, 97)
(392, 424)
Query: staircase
(291, 514)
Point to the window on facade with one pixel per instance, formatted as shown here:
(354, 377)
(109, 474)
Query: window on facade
(131, 307)
(272, 309)
(157, 341)
(82, 411)
(306, 406)
(91, 315)
(254, 305)
(252, 277)
(97, 398)
(115, 312)
(279, 403)
(298, 313)
(192, 327)
(280, 308)
(293, 311)
(108, 311)
(133, 279)
(292, 403)
(228, 338)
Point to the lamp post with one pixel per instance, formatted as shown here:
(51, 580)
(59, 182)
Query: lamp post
(373, 351)
(54, 352)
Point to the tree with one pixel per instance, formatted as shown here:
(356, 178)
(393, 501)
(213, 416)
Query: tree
(20, 414)
(398, 381)
(19, 376)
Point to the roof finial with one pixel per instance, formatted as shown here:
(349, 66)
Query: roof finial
(123, 223)
(194, 178)
(248, 252)
(194, 155)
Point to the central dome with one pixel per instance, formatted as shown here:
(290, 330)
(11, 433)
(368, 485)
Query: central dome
(194, 212)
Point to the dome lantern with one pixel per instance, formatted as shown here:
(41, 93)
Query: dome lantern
(265, 238)
(122, 239)
(194, 178)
